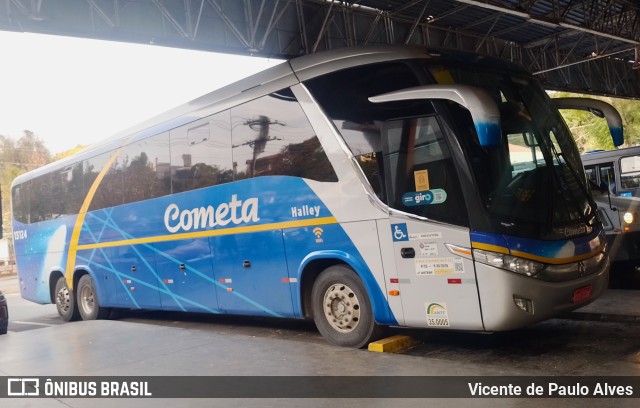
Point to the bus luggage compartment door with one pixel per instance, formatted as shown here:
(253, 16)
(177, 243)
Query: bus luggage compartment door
(134, 268)
(436, 278)
(252, 273)
(185, 274)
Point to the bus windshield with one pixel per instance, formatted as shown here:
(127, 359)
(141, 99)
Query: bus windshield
(531, 185)
(532, 182)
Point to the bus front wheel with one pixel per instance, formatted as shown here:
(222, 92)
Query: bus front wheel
(65, 301)
(342, 310)
(88, 304)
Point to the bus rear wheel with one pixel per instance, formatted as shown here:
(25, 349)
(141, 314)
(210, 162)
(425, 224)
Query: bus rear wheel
(65, 301)
(342, 310)
(88, 304)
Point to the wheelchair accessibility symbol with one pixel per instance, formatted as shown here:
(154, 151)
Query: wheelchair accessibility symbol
(399, 232)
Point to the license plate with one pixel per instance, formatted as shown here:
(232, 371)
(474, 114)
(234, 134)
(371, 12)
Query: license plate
(582, 294)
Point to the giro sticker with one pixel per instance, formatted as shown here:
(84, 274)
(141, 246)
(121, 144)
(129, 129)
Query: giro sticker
(428, 197)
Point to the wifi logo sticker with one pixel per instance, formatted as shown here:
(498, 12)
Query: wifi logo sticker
(317, 231)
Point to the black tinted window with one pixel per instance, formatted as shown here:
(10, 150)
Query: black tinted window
(272, 136)
(421, 176)
(50, 196)
(20, 202)
(40, 195)
(109, 193)
(201, 153)
(146, 169)
(67, 190)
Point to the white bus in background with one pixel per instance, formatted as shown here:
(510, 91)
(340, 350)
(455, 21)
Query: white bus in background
(614, 176)
(617, 172)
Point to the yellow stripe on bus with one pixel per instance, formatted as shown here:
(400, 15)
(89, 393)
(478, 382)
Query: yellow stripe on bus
(489, 247)
(527, 255)
(75, 235)
(212, 233)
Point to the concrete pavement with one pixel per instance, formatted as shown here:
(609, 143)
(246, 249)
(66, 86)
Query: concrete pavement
(122, 348)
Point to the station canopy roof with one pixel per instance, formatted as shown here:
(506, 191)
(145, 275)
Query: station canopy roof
(588, 46)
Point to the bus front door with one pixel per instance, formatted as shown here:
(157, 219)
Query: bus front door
(435, 274)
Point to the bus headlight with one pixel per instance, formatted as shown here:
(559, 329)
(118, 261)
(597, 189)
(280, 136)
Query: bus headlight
(508, 262)
(550, 273)
(629, 217)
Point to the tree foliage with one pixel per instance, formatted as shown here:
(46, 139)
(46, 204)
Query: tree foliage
(592, 132)
(17, 157)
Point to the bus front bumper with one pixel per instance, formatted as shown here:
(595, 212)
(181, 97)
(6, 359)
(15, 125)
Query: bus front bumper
(504, 296)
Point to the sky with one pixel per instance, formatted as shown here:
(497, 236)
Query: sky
(73, 91)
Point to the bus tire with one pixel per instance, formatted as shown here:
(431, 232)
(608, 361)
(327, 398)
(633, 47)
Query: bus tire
(88, 302)
(65, 301)
(342, 310)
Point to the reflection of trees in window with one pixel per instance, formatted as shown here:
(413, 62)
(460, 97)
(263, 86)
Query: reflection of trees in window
(271, 136)
(200, 154)
(52, 195)
(305, 159)
(146, 169)
(109, 192)
(67, 191)
(200, 175)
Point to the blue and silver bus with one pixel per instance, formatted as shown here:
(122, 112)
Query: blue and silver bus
(361, 188)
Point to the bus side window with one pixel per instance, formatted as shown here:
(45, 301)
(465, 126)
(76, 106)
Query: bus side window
(146, 169)
(590, 172)
(272, 136)
(40, 198)
(20, 202)
(608, 177)
(418, 159)
(201, 154)
(53, 195)
(630, 172)
(109, 192)
(67, 190)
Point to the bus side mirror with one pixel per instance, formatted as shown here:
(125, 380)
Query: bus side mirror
(484, 111)
(599, 108)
